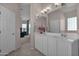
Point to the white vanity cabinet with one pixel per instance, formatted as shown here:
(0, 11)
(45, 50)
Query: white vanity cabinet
(62, 47)
(56, 45)
(46, 44)
(51, 45)
(67, 47)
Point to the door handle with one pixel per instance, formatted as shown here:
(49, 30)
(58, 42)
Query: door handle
(12, 33)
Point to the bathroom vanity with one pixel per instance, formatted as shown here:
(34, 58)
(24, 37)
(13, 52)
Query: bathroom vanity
(60, 37)
(57, 44)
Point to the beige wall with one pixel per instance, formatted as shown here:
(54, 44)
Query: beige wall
(15, 8)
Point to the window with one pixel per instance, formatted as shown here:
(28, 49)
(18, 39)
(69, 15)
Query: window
(72, 24)
(29, 28)
(24, 27)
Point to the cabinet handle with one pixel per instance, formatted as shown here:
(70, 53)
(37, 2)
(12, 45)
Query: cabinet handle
(0, 12)
(0, 32)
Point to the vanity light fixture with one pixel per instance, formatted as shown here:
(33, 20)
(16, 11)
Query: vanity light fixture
(48, 8)
(57, 4)
(45, 10)
(42, 12)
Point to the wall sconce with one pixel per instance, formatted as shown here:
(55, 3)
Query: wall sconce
(44, 11)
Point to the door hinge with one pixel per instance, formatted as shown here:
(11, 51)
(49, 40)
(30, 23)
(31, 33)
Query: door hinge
(0, 32)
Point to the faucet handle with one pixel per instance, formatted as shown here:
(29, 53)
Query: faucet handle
(63, 35)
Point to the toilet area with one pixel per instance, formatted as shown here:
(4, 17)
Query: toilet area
(39, 29)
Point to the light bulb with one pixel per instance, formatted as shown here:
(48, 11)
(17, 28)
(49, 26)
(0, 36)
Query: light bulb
(48, 8)
(45, 10)
(42, 11)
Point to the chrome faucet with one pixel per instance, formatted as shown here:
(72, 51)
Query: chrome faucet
(63, 35)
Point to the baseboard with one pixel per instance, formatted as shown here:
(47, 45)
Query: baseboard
(39, 51)
(3, 54)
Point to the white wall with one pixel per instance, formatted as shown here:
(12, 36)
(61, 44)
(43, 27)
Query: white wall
(35, 9)
(25, 15)
(44, 5)
(40, 21)
(54, 21)
(25, 11)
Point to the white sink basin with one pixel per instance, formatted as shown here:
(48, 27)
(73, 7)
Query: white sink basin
(72, 37)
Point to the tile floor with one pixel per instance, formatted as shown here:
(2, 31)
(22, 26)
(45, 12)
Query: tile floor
(25, 50)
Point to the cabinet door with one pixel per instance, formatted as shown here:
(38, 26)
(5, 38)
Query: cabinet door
(38, 42)
(44, 44)
(67, 48)
(51, 46)
(62, 47)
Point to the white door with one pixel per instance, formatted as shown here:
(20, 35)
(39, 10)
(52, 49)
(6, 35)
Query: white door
(7, 22)
(51, 46)
(3, 31)
(44, 45)
(11, 30)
